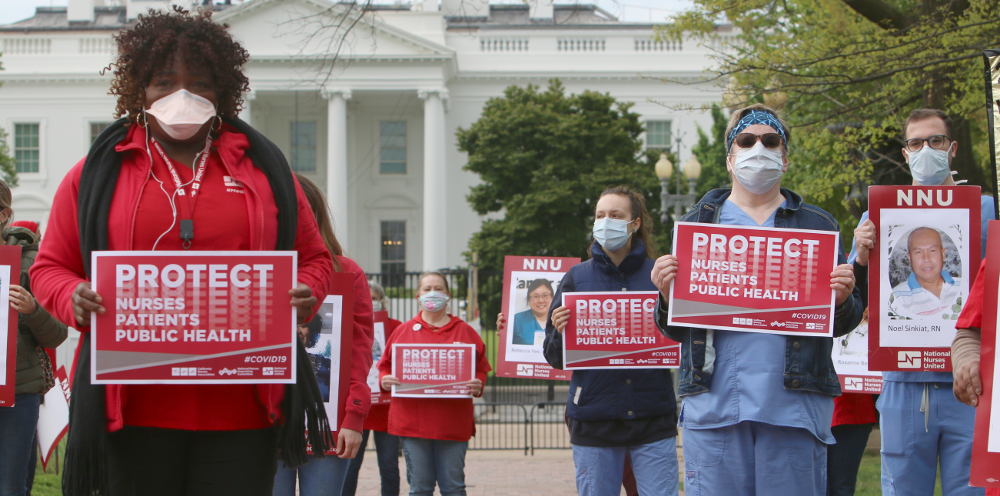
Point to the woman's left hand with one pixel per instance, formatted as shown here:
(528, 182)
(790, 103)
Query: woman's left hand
(21, 300)
(303, 301)
(475, 387)
(348, 442)
(842, 281)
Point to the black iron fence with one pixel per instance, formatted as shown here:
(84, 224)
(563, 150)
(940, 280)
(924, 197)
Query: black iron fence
(513, 413)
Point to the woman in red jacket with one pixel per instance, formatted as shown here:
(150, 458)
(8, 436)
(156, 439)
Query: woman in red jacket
(325, 475)
(179, 83)
(435, 431)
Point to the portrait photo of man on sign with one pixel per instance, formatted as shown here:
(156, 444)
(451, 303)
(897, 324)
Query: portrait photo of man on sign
(925, 271)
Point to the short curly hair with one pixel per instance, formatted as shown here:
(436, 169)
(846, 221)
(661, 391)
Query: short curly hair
(157, 37)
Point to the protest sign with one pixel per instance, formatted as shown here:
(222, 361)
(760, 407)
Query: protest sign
(919, 274)
(380, 330)
(850, 359)
(529, 284)
(985, 467)
(433, 370)
(10, 273)
(334, 336)
(53, 416)
(193, 317)
(616, 329)
(754, 279)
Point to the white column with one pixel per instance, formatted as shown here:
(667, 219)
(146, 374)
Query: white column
(336, 160)
(245, 114)
(435, 221)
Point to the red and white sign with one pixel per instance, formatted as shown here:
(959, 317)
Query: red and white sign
(985, 468)
(753, 279)
(193, 317)
(329, 349)
(53, 416)
(850, 359)
(10, 273)
(381, 322)
(529, 284)
(616, 330)
(920, 271)
(433, 370)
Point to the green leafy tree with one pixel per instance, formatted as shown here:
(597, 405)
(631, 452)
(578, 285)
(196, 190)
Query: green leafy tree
(711, 152)
(8, 170)
(847, 72)
(543, 158)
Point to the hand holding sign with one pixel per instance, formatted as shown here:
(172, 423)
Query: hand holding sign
(388, 381)
(560, 316)
(85, 301)
(967, 386)
(842, 282)
(664, 272)
(864, 241)
(21, 300)
(303, 301)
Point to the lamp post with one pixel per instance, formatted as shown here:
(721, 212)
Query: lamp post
(678, 202)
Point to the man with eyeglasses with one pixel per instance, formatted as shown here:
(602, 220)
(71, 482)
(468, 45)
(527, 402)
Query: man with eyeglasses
(922, 423)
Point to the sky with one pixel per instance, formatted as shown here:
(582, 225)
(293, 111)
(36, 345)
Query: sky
(627, 10)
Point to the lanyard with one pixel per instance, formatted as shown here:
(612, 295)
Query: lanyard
(186, 205)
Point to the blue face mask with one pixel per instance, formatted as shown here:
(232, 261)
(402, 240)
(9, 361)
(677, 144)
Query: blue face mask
(929, 166)
(612, 234)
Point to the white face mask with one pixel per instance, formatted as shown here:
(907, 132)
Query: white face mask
(759, 168)
(929, 166)
(182, 113)
(433, 301)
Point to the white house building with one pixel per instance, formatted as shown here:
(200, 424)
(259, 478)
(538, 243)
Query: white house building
(368, 109)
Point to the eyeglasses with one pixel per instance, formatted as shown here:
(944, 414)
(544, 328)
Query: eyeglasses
(937, 142)
(747, 140)
(540, 297)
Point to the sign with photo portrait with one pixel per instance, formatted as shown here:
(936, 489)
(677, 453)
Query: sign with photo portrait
(850, 359)
(925, 255)
(529, 284)
(10, 271)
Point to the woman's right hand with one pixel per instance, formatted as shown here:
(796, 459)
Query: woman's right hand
(388, 381)
(664, 272)
(85, 301)
(560, 316)
(501, 321)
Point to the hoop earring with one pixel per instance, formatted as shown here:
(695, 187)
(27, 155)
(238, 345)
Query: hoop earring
(141, 119)
(218, 123)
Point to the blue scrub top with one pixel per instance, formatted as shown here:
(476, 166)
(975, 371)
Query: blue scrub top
(748, 381)
(987, 213)
(525, 327)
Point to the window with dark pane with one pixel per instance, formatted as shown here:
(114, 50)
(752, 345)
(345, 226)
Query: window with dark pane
(392, 147)
(393, 234)
(303, 146)
(96, 128)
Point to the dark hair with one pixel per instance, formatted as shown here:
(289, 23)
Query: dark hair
(927, 113)
(637, 205)
(433, 273)
(317, 202)
(153, 42)
(538, 283)
(6, 199)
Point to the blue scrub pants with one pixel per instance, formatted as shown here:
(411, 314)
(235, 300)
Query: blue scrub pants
(753, 458)
(320, 476)
(599, 468)
(922, 424)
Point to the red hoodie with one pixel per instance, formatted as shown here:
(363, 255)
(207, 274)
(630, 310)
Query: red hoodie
(450, 419)
(134, 208)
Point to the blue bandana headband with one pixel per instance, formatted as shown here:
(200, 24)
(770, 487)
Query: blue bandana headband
(756, 117)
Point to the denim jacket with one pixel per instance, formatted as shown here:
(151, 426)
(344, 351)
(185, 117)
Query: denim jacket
(808, 366)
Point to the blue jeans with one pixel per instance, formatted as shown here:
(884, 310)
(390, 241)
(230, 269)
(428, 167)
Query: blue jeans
(387, 452)
(922, 426)
(433, 460)
(753, 458)
(320, 476)
(599, 468)
(17, 430)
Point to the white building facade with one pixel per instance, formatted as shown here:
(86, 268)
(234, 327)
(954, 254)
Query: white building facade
(365, 102)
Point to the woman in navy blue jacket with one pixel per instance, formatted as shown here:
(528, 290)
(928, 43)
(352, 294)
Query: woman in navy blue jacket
(617, 413)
